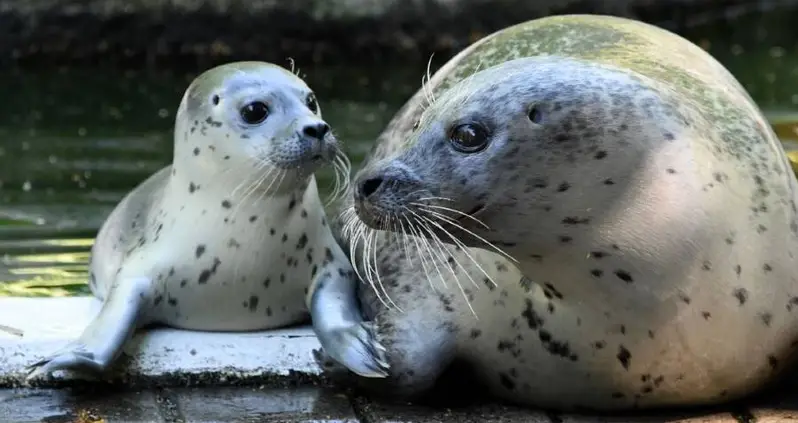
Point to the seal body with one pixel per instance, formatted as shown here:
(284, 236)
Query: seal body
(627, 197)
(232, 234)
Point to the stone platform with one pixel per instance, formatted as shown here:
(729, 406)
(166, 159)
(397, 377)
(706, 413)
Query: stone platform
(168, 375)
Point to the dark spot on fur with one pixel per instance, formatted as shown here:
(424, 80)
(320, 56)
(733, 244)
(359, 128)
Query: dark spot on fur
(600, 154)
(741, 294)
(706, 315)
(196, 151)
(199, 251)
(563, 187)
(571, 220)
(597, 272)
(304, 213)
(191, 187)
(608, 181)
(475, 333)
(253, 218)
(302, 242)
(624, 276)
(766, 267)
(670, 170)
(267, 282)
(599, 345)
(766, 318)
(738, 269)
(706, 265)
(773, 361)
(532, 318)
(328, 255)
(226, 204)
(253, 303)
(624, 356)
(565, 239)
(792, 302)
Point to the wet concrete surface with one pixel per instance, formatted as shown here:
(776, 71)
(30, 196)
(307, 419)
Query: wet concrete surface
(319, 404)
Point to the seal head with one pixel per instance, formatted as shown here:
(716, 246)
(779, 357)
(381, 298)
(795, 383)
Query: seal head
(535, 122)
(254, 116)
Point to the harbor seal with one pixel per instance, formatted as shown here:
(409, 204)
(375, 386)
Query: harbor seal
(618, 192)
(231, 235)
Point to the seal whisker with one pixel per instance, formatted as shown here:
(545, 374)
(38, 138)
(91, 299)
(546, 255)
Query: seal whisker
(432, 236)
(458, 243)
(365, 234)
(421, 258)
(476, 220)
(486, 242)
(416, 228)
(371, 258)
(467, 253)
(441, 248)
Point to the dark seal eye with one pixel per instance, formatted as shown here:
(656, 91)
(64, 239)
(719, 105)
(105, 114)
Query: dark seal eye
(417, 124)
(255, 112)
(312, 104)
(469, 138)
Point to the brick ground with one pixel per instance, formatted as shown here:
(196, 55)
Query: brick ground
(304, 404)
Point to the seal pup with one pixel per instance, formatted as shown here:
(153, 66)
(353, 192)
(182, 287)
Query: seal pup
(228, 237)
(629, 200)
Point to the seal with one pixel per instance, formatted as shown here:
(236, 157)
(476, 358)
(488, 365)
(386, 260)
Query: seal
(621, 196)
(232, 234)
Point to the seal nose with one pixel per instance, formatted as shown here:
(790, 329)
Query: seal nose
(316, 130)
(369, 186)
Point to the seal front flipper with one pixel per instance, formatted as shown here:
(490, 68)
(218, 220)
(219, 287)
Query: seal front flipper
(344, 335)
(102, 341)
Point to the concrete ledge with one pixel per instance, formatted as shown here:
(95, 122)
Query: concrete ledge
(32, 328)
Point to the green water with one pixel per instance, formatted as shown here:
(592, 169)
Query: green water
(74, 141)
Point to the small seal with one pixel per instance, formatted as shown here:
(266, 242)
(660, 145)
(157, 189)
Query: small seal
(228, 237)
(622, 198)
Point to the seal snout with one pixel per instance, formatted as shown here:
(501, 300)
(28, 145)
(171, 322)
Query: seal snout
(316, 139)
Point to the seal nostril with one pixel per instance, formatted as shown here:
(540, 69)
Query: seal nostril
(370, 186)
(316, 130)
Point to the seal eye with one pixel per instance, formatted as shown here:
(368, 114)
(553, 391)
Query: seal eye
(469, 138)
(417, 124)
(312, 104)
(254, 113)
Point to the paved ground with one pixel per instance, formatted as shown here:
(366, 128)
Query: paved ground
(303, 404)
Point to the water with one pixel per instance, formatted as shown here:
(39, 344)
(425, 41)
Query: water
(74, 141)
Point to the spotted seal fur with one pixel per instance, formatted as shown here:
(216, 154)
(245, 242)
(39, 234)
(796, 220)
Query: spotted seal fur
(231, 235)
(621, 197)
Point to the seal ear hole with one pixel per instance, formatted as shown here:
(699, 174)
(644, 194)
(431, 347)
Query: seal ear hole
(215, 100)
(535, 115)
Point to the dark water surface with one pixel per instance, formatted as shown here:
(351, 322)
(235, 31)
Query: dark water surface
(74, 141)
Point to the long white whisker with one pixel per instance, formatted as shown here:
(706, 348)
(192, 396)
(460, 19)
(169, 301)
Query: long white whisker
(453, 211)
(441, 247)
(486, 242)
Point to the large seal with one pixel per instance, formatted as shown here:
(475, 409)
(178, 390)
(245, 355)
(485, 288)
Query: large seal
(232, 234)
(646, 210)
